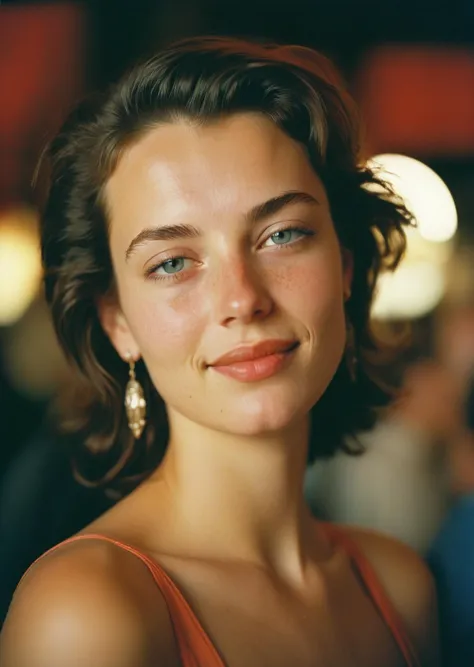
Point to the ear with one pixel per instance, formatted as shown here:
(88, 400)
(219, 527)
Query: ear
(347, 272)
(115, 325)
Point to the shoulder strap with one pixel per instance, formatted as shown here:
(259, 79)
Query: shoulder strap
(377, 593)
(195, 646)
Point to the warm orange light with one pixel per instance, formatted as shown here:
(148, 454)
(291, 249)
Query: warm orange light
(20, 264)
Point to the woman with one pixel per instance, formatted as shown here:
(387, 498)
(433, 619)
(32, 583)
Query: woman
(210, 231)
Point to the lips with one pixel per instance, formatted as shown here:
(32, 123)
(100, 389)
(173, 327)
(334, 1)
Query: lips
(251, 352)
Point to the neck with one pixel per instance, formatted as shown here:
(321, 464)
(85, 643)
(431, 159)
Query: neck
(238, 498)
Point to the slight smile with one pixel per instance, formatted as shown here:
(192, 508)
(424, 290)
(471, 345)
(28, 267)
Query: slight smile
(251, 363)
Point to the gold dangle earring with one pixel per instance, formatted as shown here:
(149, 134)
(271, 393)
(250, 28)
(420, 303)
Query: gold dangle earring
(135, 404)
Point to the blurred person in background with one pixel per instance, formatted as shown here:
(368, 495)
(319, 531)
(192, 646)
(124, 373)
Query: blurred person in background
(401, 485)
(451, 556)
(210, 255)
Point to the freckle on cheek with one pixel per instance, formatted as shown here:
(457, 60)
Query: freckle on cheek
(296, 279)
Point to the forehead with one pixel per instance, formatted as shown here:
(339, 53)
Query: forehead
(229, 164)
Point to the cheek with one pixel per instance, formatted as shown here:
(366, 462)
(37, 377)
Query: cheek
(165, 325)
(312, 287)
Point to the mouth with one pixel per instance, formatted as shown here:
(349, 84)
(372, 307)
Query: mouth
(256, 362)
(253, 352)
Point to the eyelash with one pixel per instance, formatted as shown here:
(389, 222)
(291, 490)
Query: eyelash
(174, 277)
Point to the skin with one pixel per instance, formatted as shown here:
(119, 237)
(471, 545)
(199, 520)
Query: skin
(224, 513)
(238, 287)
(234, 289)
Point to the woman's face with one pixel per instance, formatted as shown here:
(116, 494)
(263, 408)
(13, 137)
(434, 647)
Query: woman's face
(221, 237)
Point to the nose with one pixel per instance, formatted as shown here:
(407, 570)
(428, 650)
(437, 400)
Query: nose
(239, 294)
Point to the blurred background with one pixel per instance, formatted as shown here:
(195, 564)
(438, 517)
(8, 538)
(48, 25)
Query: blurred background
(410, 66)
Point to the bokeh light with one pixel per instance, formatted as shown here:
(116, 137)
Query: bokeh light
(20, 263)
(419, 283)
(425, 194)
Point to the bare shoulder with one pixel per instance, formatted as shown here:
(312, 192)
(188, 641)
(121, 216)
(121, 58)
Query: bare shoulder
(409, 585)
(88, 603)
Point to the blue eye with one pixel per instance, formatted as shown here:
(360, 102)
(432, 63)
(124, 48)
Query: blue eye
(282, 237)
(174, 265)
(287, 236)
(171, 269)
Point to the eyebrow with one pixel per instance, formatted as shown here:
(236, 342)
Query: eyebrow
(276, 204)
(165, 233)
(256, 214)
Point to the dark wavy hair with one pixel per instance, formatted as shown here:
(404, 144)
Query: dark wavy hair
(204, 79)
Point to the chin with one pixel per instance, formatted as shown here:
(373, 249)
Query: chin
(265, 413)
(262, 409)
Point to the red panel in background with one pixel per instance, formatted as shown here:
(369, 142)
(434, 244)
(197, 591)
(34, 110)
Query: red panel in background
(418, 100)
(41, 74)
